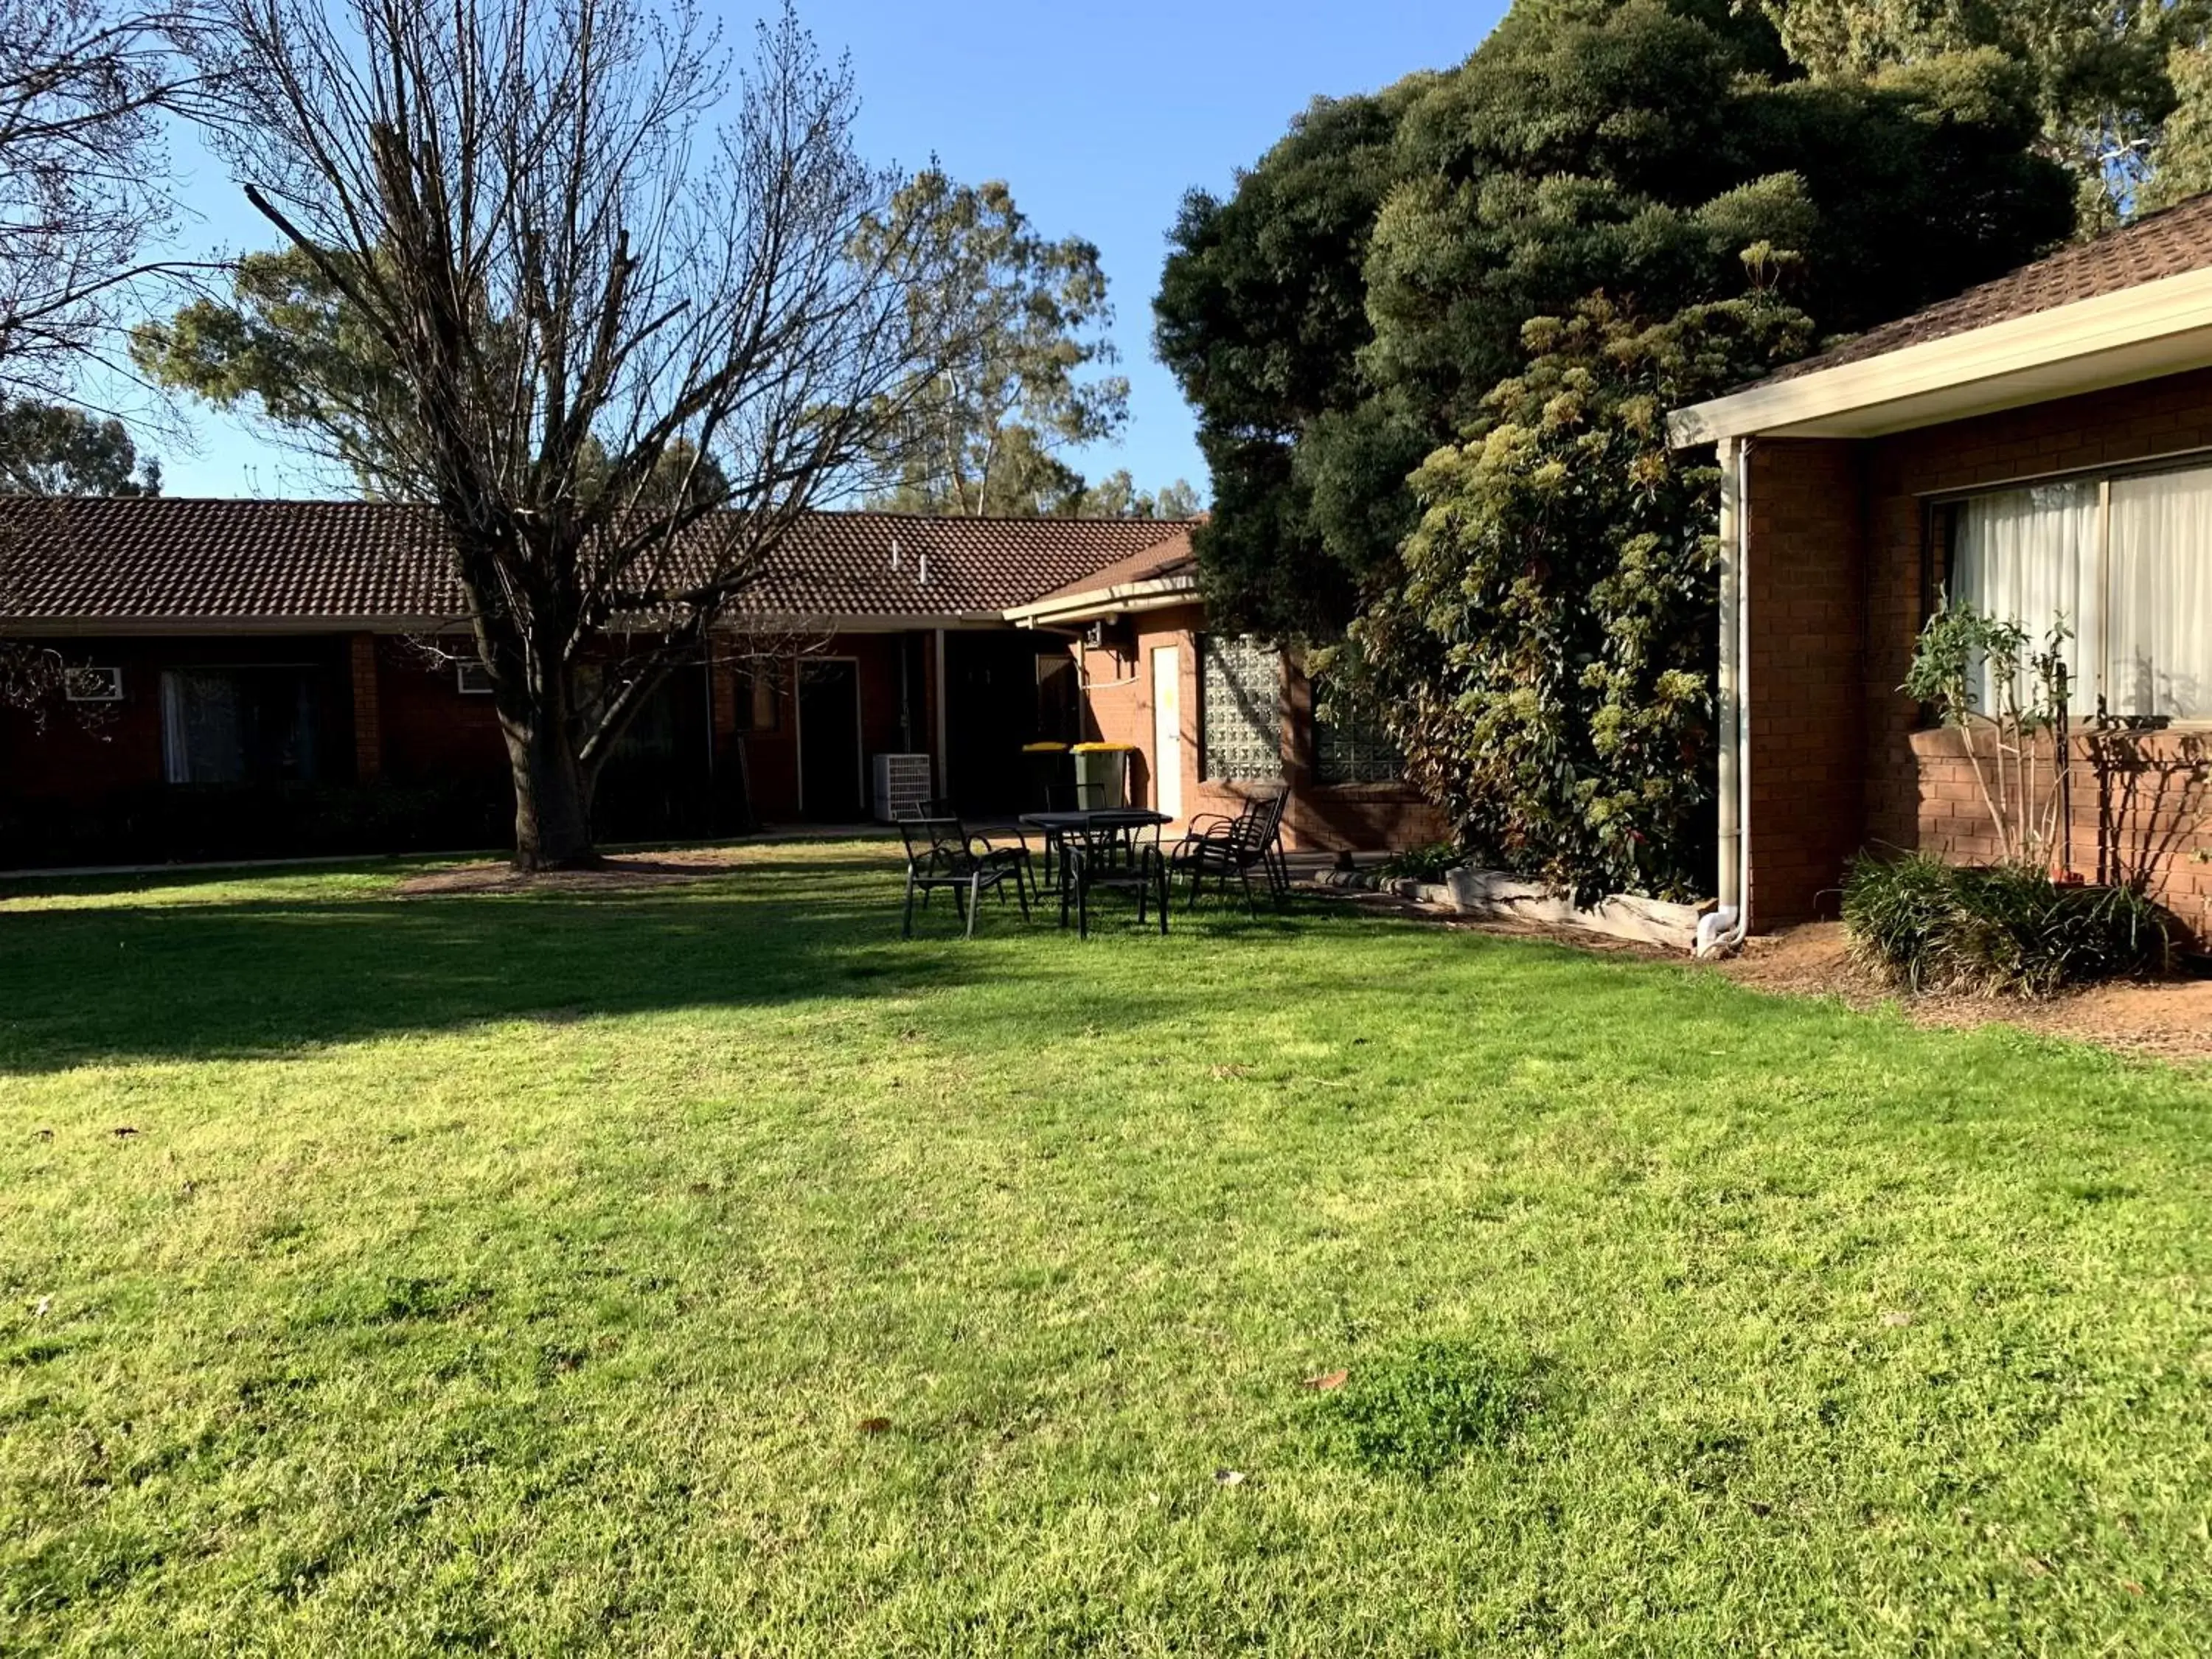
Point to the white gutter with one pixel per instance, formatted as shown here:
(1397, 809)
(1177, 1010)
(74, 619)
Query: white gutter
(1722, 930)
(1123, 598)
(2153, 328)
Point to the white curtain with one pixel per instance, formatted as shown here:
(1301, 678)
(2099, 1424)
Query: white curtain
(2158, 658)
(2030, 556)
(176, 739)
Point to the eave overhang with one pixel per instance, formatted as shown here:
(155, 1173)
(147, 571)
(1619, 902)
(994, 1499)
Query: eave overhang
(2141, 333)
(1121, 600)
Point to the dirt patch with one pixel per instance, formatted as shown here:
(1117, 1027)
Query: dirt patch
(616, 875)
(2172, 1019)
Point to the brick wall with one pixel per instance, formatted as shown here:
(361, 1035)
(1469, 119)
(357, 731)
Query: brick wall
(1836, 609)
(430, 731)
(1317, 819)
(115, 747)
(367, 719)
(1805, 589)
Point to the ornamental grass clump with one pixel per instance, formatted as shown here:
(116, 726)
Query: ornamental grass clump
(2005, 930)
(1430, 863)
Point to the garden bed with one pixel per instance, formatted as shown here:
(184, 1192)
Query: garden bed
(2168, 1017)
(1496, 896)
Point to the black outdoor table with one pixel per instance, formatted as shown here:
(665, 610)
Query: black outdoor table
(1095, 818)
(1058, 828)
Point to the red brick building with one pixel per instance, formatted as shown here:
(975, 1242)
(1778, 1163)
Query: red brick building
(2039, 446)
(274, 677)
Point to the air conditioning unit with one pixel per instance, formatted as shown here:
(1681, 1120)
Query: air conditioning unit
(1114, 634)
(903, 786)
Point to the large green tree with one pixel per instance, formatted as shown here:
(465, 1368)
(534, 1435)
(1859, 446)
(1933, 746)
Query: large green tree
(985, 432)
(1349, 307)
(1546, 663)
(2111, 79)
(52, 449)
(291, 347)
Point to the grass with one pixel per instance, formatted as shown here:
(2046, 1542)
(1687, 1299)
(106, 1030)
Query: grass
(704, 1270)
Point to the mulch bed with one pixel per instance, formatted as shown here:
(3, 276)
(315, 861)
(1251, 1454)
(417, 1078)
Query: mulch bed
(2170, 1018)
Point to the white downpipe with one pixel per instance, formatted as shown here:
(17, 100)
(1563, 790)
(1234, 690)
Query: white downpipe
(1723, 929)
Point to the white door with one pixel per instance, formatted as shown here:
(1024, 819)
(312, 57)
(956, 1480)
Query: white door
(1167, 729)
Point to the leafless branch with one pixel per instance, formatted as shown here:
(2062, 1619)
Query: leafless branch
(578, 280)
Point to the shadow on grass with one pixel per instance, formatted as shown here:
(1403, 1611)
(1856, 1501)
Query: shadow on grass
(255, 975)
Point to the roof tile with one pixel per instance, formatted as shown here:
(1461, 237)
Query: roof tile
(90, 560)
(2169, 243)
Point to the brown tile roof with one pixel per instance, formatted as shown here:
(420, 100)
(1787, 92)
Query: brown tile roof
(1171, 557)
(2168, 243)
(92, 561)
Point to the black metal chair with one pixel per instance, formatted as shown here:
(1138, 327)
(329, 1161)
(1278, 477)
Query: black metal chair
(1058, 798)
(1122, 860)
(941, 853)
(1223, 847)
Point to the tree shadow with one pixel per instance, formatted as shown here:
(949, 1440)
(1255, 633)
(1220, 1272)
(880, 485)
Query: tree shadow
(149, 971)
(158, 976)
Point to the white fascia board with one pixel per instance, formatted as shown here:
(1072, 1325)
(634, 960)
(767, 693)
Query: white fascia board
(1123, 599)
(2138, 333)
(885, 623)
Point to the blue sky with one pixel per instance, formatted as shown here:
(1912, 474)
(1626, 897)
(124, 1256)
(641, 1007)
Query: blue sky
(1099, 116)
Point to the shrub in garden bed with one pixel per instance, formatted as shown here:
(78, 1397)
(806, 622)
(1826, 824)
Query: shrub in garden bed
(2003, 929)
(1431, 863)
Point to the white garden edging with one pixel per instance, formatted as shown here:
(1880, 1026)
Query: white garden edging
(1496, 896)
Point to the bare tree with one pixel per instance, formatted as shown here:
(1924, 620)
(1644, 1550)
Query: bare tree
(575, 272)
(82, 193)
(82, 179)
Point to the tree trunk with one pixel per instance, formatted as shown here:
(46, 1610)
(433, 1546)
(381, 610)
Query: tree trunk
(552, 797)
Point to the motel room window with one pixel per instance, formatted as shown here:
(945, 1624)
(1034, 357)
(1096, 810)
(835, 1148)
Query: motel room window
(1241, 720)
(250, 725)
(2127, 561)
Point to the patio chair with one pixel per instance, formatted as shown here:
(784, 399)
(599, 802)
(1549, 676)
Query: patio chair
(941, 853)
(1122, 860)
(1058, 798)
(1222, 847)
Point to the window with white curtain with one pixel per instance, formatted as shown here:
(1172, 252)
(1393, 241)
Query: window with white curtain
(248, 725)
(2158, 648)
(2126, 563)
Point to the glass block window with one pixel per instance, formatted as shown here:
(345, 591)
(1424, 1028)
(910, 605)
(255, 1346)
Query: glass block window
(1242, 712)
(1351, 746)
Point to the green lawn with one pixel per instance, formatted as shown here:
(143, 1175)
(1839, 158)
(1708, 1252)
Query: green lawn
(518, 1273)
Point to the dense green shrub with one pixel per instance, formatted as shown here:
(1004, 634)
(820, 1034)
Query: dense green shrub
(1928, 926)
(1547, 666)
(1430, 863)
